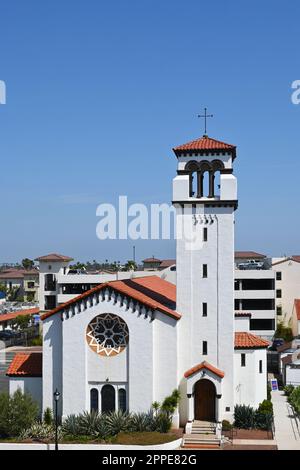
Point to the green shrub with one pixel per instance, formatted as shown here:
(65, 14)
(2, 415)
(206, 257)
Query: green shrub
(294, 399)
(288, 389)
(244, 417)
(17, 412)
(36, 341)
(171, 402)
(263, 420)
(226, 425)
(266, 407)
(162, 422)
(48, 416)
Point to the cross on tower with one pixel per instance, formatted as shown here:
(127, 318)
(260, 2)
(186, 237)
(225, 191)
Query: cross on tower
(205, 116)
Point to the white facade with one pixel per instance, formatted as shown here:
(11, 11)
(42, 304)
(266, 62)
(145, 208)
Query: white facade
(144, 369)
(287, 273)
(249, 391)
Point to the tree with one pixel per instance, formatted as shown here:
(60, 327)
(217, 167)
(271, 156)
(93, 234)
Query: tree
(27, 263)
(17, 412)
(21, 322)
(130, 265)
(284, 332)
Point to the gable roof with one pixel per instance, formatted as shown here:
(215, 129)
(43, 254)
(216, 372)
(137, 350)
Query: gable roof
(18, 273)
(166, 263)
(54, 257)
(248, 255)
(151, 260)
(204, 365)
(244, 340)
(203, 145)
(12, 315)
(151, 291)
(295, 258)
(26, 365)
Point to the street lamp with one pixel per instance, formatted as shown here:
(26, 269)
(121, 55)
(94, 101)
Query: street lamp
(56, 395)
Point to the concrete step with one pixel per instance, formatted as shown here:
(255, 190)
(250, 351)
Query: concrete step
(201, 441)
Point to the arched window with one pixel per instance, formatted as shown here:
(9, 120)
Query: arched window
(122, 399)
(108, 398)
(192, 168)
(217, 166)
(204, 186)
(94, 399)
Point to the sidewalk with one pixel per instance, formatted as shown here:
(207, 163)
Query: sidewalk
(287, 428)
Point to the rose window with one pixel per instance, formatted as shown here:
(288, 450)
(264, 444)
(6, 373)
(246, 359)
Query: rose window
(107, 334)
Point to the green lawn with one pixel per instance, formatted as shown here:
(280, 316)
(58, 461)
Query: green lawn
(144, 438)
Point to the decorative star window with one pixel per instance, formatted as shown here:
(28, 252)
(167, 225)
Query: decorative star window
(107, 334)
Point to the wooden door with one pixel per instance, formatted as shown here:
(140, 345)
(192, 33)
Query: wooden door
(205, 400)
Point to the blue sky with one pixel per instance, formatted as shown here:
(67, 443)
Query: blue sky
(99, 92)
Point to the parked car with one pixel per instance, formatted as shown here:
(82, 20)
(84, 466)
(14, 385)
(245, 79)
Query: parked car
(251, 264)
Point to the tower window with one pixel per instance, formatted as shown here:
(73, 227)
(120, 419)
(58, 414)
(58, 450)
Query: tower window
(205, 234)
(204, 270)
(278, 293)
(260, 367)
(243, 360)
(279, 310)
(278, 276)
(204, 348)
(204, 309)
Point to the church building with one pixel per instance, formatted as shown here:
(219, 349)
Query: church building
(126, 344)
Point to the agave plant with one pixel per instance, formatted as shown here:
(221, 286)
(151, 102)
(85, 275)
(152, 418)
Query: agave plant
(70, 426)
(88, 423)
(40, 431)
(117, 421)
(141, 422)
(244, 417)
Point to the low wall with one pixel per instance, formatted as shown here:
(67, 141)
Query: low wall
(99, 447)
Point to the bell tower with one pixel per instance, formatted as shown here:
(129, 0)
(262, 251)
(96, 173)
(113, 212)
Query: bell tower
(205, 198)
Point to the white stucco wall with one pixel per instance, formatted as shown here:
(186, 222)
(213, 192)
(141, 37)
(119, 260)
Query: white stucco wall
(292, 375)
(290, 287)
(250, 386)
(146, 368)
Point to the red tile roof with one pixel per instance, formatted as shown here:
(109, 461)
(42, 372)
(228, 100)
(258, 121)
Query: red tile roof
(151, 260)
(26, 365)
(166, 263)
(297, 308)
(12, 315)
(204, 365)
(151, 291)
(244, 340)
(54, 257)
(295, 258)
(248, 255)
(205, 144)
(12, 275)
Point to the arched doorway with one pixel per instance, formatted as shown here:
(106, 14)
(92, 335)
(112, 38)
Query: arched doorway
(108, 398)
(205, 400)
